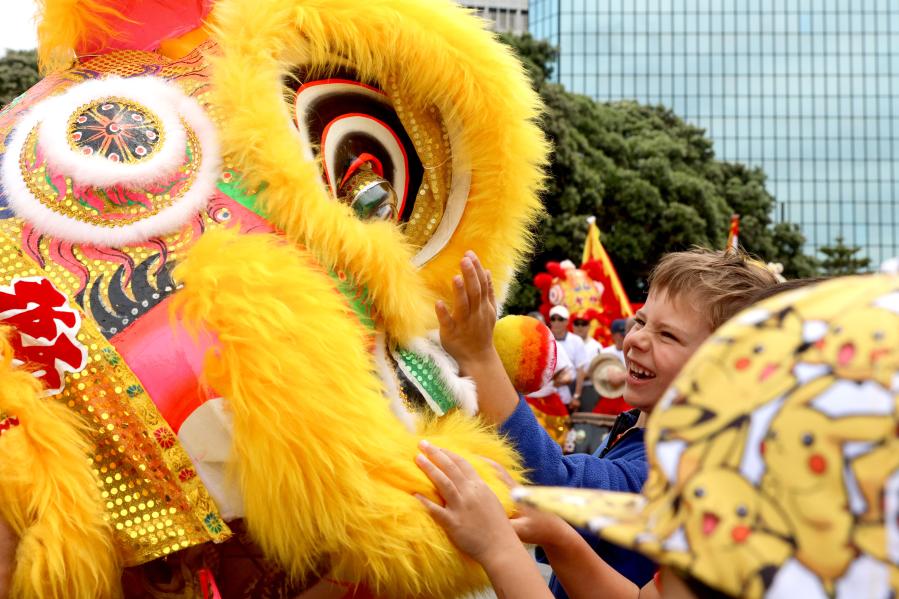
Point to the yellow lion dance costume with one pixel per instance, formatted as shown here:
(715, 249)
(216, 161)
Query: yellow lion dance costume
(223, 231)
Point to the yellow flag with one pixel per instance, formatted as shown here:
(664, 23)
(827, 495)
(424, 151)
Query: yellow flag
(593, 250)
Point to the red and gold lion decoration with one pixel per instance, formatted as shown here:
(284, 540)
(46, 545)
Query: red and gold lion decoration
(582, 291)
(593, 292)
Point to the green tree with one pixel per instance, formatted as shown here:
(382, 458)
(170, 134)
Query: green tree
(840, 259)
(18, 72)
(651, 180)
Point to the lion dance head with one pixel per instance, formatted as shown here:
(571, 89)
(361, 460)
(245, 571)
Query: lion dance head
(224, 226)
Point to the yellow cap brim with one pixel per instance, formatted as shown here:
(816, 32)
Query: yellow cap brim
(624, 519)
(585, 508)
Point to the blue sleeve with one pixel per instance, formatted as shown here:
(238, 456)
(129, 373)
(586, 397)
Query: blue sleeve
(546, 465)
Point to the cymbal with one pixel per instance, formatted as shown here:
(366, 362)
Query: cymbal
(599, 370)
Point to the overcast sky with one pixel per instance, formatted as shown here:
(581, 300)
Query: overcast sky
(17, 29)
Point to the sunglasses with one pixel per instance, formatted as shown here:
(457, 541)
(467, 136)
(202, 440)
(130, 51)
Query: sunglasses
(556, 318)
(580, 322)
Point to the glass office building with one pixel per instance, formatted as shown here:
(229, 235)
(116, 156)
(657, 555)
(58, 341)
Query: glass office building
(806, 89)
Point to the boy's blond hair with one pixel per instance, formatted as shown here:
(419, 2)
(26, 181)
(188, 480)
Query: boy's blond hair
(718, 283)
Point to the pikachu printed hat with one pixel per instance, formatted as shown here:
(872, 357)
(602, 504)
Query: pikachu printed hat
(774, 457)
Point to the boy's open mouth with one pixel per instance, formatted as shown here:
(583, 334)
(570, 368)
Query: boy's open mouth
(638, 372)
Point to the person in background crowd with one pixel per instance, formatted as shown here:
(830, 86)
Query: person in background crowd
(574, 348)
(616, 379)
(581, 328)
(618, 330)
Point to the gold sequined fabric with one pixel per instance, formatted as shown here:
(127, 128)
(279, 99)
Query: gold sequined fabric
(155, 501)
(431, 140)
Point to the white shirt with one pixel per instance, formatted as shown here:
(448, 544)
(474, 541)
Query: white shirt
(618, 353)
(574, 347)
(591, 350)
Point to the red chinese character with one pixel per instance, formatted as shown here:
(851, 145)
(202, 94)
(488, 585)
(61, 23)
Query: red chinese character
(47, 330)
(36, 306)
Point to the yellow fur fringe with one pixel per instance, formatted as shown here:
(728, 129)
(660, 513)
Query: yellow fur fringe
(66, 24)
(438, 55)
(326, 469)
(49, 496)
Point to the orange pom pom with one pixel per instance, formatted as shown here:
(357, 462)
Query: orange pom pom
(527, 350)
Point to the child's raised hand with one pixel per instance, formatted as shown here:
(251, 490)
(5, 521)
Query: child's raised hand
(467, 332)
(472, 516)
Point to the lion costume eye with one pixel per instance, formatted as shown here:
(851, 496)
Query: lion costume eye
(368, 159)
(382, 154)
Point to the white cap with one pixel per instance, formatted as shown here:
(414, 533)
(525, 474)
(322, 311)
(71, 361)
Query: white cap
(559, 311)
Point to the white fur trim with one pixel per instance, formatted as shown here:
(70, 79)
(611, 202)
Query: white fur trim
(391, 385)
(463, 389)
(162, 99)
(168, 220)
(502, 291)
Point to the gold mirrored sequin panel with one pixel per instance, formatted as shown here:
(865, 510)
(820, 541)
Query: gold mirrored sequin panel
(153, 499)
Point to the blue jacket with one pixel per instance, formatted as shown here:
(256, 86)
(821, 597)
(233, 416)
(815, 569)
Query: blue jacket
(618, 465)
